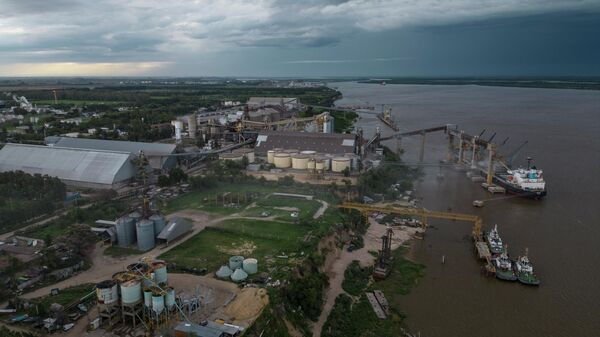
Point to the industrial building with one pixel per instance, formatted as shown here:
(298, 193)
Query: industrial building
(334, 143)
(174, 229)
(75, 167)
(156, 153)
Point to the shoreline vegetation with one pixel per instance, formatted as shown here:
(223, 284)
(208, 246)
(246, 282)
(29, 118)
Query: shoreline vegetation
(577, 83)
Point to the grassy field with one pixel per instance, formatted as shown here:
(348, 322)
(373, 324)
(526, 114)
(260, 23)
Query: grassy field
(66, 296)
(73, 101)
(263, 240)
(53, 230)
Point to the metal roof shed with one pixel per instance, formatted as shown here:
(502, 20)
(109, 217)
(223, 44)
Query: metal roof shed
(174, 229)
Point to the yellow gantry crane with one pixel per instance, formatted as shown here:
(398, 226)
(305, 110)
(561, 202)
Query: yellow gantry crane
(365, 209)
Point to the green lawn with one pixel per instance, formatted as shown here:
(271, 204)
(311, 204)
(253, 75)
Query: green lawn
(263, 240)
(54, 229)
(66, 296)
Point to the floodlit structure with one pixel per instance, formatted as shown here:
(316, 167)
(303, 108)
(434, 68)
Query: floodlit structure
(75, 167)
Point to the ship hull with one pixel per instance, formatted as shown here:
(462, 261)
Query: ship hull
(515, 190)
(389, 123)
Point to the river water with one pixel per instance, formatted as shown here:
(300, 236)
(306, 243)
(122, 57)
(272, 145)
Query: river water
(562, 231)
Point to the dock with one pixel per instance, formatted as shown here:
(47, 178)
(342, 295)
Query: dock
(380, 297)
(375, 305)
(484, 253)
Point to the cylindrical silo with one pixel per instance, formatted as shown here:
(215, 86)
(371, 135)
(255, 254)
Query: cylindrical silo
(145, 234)
(250, 266)
(308, 152)
(291, 151)
(311, 164)
(235, 262)
(248, 153)
(339, 164)
(354, 158)
(282, 160)
(320, 165)
(131, 291)
(147, 298)
(125, 231)
(107, 292)
(158, 303)
(192, 122)
(159, 223)
(178, 127)
(271, 156)
(160, 271)
(239, 275)
(136, 216)
(170, 298)
(224, 272)
(300, 162)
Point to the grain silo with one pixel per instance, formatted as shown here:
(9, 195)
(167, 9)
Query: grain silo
(250, 266)
(339, 164)
(271, 156)
(282, 160)
(159, 223)
(311, 164)
(159, 269)
(354, 160)
(239, 275)
(320, 166)
(248, 153)
(170, 298)
(158, 303)
(235, 262)
(107, 292)
(131, 291)
(145, 234)
(300, 162)
(192, 123)
(125, 231)
(136, 216)
(148, 298)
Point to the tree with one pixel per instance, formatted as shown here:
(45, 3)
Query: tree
(346, 172)
(176, 175)
(163, 181)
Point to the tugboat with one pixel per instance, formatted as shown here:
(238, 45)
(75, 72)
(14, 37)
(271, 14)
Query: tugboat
(494, 241)
(504, 269)
(524, 270)
(527, 183)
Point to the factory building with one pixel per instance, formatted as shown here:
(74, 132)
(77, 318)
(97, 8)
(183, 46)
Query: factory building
(75, 167)
(334, 143)
(156, 153)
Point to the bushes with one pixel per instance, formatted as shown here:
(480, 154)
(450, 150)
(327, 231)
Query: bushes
(356, 279)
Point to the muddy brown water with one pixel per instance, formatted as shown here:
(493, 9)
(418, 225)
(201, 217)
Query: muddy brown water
(562, 231)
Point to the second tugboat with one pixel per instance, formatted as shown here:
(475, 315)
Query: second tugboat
(504, 269)
(524, 270)
(494, 241)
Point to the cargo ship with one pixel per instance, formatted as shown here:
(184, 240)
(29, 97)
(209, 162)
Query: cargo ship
(386, 118)
(494, 241)
(527, 183)
(504, 267)
(524, 270)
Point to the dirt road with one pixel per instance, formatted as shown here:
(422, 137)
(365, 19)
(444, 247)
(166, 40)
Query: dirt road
(341, 259)
(321, 210)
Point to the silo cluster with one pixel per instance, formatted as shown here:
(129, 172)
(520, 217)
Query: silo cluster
(312, 161)
(133, 228)
(238, 268)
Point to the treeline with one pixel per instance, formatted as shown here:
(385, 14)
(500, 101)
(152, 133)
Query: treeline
(24, 196)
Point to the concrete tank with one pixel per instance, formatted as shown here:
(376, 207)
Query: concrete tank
(160, 272)
(338, 164)
(131, 291)
(125, 231)
(248, 153)
(282, 160)
(308, 152)
(145, 234)
(107, 292)
(235, 262)
(320, 165)
(159, 223)
(192, 123)
(300, 162)
(271, 156)
(250, 266)
(147, 298)
(239, 275)
(158, 303)
(170, 298)
(311, 164)
(224, 272)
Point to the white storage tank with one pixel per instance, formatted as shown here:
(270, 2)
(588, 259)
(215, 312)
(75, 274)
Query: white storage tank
(311, 164)
(224, 272)
(299, 162)
(170, 298)
(339, 164)
(282, 160)
(147, 298)
(326, 161)
(250, 266)
(308, 152)
(320, 165)
(235, 262)
(248, 153)
(131, 291)
(145, 234)
(271, 156)
(239, 275)
(159, 269)
(107, 292)
(158, 303)
(125, 231)
(159, 223)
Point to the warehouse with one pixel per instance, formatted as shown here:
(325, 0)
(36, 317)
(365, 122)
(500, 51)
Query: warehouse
(157, 153)
(75, 167)
(333, 143)
(174, 229)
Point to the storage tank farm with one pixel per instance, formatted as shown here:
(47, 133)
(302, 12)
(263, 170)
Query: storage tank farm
(312, 160)
(138, 295)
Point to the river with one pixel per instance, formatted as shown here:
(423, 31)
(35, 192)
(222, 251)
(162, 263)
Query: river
(562, 231)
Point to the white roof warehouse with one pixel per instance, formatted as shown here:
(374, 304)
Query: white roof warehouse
(75, 167)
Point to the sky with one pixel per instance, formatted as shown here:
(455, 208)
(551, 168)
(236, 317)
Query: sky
(304, 38)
